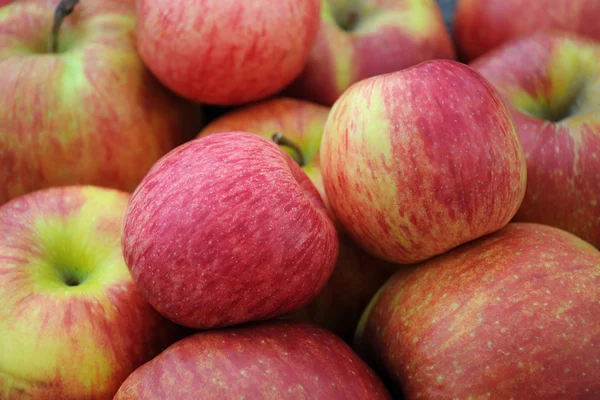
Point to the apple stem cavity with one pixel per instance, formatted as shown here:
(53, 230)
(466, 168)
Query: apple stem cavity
(281, 140)
(63, 9)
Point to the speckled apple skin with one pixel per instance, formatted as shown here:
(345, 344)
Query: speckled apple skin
(272, 360)
(228, 229)
(511, 315)
(419, 161)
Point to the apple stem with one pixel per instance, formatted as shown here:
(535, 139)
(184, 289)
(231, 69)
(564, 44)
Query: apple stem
(63, 9)
(281, 140)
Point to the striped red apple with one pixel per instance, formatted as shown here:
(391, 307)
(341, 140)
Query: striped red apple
(88, 112)
(269, 360)
(422, 160)
(227, 229)
(511, 315)
(226, 52)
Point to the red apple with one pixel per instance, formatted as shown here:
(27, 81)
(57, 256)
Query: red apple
(419, 161)
(511, 315)
(73, 325)
(226, 52)
(300, 122)
(357, 275)
(271, 360)
(482, 25)
(360, 39)
(90, 113)
(551, 82)
(228, 229)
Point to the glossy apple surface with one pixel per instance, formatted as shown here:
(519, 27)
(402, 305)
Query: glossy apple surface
(73, 325)
(551, 82)
(419, 161)
(513, 314)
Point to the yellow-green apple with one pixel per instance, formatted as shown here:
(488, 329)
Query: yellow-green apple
(73, 325)
(357, 275)
(510, 315)
(268, 360)
(419, 161)
(87, 113)
(226, 52)
(551, 81)
(228, 229)
(359, 39)
(482, 25)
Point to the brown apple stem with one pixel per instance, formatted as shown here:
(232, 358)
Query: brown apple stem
(281, 140)
(64, 8)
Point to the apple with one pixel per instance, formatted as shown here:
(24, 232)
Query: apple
(274, 359)
(299, 122)
(419, 161)
(73, 325)
(226, 52)
(360, 39)
(551, 82)
(87, 113)
(482, 25)
(511, 315)
(357, 275)
(228, 229)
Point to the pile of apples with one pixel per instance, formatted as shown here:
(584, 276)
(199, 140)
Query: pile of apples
(299, 199)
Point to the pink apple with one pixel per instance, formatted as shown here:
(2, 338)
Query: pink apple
(551, 81)
(422, 160)
(482, 25)
(360, 39)
(228, 229)
(226, 52)
(73, 325)
(91, 113)
(270, 360)
(511, 315)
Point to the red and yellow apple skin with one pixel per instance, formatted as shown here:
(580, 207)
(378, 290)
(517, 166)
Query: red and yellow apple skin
(73, 324)
(91, 114)
(483, 25)
(271, 360)
(511, 315)
(384, 36)
(357, 275)
(227, 229)
(419, 161)
(226, 52)
(551, 81)
(300, 121)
